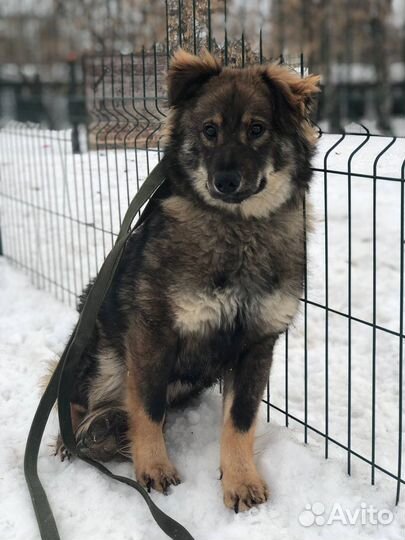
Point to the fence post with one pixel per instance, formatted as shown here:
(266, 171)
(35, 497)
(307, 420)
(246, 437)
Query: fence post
(73, 102)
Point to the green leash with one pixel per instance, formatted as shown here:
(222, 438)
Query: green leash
(62, 381)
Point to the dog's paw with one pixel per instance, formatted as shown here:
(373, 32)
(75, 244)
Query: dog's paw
(61, 451)
(243, 493)
(159, 476)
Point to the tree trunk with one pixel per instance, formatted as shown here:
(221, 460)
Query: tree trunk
(379, 59)
(330, 97)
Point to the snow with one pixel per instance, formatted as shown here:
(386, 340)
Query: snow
(34, 327)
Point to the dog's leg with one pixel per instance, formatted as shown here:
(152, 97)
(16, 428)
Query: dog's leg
(149, 362)
(244, 387)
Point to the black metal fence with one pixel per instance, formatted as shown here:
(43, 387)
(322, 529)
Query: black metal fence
(338, 376)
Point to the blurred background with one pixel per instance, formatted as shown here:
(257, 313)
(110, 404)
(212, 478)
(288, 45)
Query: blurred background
(49, 47)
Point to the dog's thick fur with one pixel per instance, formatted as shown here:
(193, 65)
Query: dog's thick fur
(210, 278)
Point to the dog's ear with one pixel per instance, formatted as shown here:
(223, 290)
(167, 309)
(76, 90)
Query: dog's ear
(296, 92)
(187, 73)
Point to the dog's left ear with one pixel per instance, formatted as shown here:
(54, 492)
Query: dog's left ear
(298, 93)
(187, 73)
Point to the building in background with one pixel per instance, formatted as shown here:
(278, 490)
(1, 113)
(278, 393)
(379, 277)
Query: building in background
(358, 46)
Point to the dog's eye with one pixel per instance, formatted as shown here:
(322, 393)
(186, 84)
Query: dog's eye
(210, 131)
(256, 130)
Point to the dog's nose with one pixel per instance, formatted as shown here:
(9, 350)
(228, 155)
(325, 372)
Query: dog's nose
(227, 181)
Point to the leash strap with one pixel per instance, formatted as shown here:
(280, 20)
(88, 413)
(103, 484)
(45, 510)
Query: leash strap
(62, 381)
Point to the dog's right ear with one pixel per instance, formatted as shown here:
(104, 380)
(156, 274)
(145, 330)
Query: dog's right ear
(187, 73)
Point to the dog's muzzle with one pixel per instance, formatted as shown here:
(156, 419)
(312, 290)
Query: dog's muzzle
(226, 187)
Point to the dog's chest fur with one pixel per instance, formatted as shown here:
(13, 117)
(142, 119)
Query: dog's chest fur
(233, 272)
(219, 283)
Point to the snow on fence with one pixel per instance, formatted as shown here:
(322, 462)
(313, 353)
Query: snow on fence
(337, 379)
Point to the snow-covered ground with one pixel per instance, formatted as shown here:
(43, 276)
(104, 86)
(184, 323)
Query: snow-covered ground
(34, 327)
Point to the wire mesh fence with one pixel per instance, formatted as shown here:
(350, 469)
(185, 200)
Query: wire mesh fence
(338, 373)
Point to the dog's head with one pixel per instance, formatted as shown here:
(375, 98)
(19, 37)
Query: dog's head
(240, 137)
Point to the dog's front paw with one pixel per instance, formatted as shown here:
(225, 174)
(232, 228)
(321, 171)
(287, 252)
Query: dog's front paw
(242, 493)
(159, 476)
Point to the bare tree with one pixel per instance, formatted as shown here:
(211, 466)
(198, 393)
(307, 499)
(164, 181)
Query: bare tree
(378, 26)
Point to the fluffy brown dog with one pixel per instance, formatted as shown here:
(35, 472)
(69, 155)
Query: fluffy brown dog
(210, 278)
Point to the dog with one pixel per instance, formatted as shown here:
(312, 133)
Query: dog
(210, 278)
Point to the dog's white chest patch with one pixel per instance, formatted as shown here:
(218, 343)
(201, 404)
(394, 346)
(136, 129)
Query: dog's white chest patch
(275, 310)
(202, 312)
